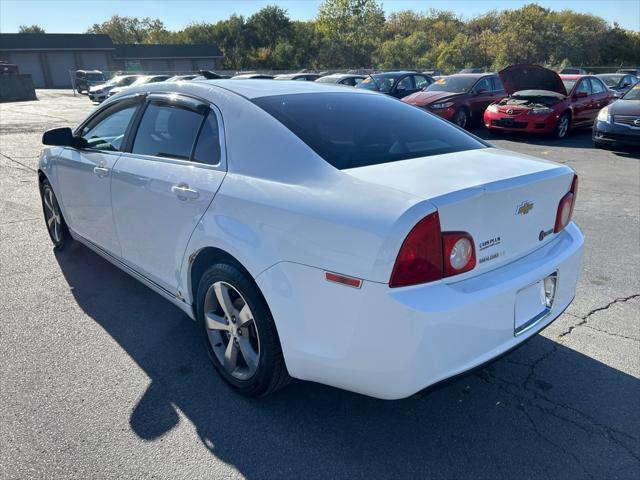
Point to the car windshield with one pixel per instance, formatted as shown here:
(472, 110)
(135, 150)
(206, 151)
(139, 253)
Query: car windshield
(381, 82)
(454, 84)
(351, 130)
(568, 84)
(634, 93)
(611, 80)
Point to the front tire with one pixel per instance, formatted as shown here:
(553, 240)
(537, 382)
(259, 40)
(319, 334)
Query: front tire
(56, 225)
(562, 127)
(461, 118)
(239, 331)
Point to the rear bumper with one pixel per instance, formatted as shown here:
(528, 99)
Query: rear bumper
(611, 133)
(392, 343)
(520, 123)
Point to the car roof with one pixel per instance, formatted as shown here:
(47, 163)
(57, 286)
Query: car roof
(251, 89)
(472, 75)
(342, 75)
(573, 76)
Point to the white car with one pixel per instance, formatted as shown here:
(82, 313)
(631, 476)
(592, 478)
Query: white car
(318, 232)
(99, 93)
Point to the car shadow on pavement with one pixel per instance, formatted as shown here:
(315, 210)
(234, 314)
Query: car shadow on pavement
(580, 138)
(543, 411)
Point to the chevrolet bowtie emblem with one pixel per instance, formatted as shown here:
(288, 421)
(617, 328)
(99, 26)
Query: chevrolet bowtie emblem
(524, 208)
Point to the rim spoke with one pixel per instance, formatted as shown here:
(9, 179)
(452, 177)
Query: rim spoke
(231, 356)
(51, 220)
(56, 232)
(245, 316)
(214, 322)
(249, 354)
(222, 294)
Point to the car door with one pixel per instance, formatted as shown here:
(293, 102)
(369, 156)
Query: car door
(481, 97)
(404, 86)
(600, 97)
(84, 175)
(164, 183)
(581, 100)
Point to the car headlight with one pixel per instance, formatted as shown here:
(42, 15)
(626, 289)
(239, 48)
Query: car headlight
(603, 115)
(493, 108)
(540, 110)
(438, 106)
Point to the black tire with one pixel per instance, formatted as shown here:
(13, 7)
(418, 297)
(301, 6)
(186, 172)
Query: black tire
(562, 127)
(79, 90)
(602, 145)
(56, 227)
(271, 372)
(461, 118)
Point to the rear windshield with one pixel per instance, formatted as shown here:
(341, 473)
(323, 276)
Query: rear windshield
(356, 130)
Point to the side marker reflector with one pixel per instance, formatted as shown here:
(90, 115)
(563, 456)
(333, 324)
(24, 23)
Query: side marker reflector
(343, 279)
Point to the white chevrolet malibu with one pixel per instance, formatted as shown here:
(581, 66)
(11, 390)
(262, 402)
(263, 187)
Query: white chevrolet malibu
(313, 232)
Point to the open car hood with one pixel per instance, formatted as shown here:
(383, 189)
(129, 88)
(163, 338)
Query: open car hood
(531, 77)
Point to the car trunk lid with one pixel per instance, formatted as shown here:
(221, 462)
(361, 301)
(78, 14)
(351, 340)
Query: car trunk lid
(505, 201)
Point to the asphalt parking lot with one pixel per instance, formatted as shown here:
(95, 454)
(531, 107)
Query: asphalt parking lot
(102, 378)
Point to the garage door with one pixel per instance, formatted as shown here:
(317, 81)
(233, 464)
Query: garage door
(205, 64)
(183, 66)
(60, 63)
(29, 63)
(155, 66)
(94, 61)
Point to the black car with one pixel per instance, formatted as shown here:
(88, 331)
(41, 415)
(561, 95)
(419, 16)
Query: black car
(619, 122)
(396, 84)
(618, 82)
(88, 78)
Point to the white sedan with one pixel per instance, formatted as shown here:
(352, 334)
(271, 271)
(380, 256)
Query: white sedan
(317, 232)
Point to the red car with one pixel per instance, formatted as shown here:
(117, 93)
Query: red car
(459, 98)
(541, 101)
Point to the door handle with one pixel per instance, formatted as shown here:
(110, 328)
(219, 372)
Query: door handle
(101, 171)
(183, 192)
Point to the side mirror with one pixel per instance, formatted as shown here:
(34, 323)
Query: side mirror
(581, 94)
(625, 85)
(480, 91)
(63, 137)
(401, 88)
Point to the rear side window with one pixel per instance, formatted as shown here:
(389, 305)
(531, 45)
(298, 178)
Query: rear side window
(352, 130)
(497, 84)
(597, 86)
(208, 146)
(167, 131)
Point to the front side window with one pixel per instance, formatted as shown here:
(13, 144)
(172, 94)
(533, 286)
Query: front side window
(584, 86)
(405, 84)
(353, 130)
(106, 130)
(497, 84)
(167, 130)
(483, 85)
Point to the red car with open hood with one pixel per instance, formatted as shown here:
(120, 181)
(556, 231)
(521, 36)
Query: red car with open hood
(541, 101)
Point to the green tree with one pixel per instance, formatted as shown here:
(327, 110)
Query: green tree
(133, 30)
(351, 30)
(30, 29)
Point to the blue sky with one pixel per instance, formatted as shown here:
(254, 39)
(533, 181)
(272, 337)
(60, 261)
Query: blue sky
(71, 16)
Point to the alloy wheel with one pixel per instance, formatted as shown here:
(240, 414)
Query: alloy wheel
(461, 119)
(231, 330)
(563, 126)
(52, 214)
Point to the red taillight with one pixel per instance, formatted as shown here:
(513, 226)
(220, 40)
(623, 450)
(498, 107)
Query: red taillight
(565, 207)
(420, 257)
(428, 254)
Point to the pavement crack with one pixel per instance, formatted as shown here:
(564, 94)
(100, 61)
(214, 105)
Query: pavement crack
(586, 317)
(613, 334)
(19, 163)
